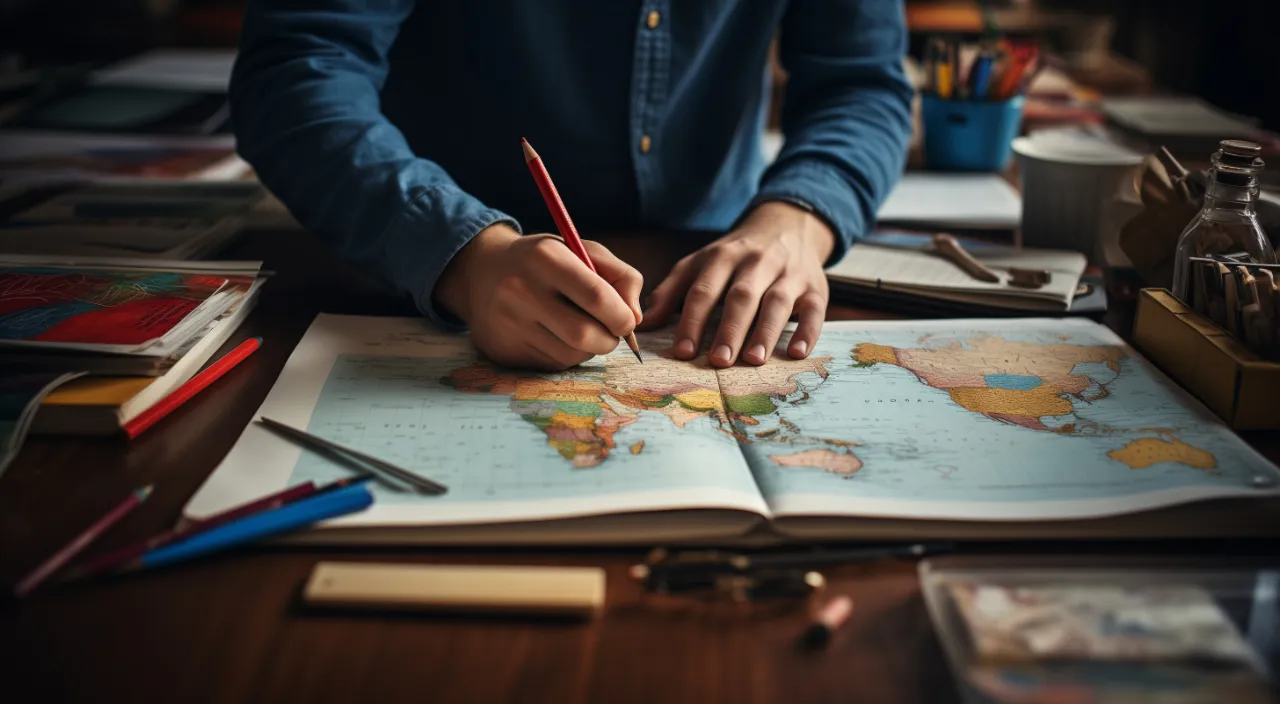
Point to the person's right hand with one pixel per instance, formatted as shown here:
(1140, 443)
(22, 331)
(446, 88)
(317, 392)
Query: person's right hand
(531, 303)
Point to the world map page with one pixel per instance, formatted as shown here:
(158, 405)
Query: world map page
(981, 420)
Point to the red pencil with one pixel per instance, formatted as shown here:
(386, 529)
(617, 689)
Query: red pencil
(73, 548)
(117, 558)
(195, 385)
(564, 224)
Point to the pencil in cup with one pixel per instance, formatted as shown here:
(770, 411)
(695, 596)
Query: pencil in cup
(564, 223)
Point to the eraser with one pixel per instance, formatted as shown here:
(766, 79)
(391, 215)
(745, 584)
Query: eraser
(516, 590)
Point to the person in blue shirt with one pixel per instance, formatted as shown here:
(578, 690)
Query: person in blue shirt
(391, 128)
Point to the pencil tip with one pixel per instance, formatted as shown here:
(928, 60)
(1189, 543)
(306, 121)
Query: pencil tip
(529, 154)
(637, 354)
(258, 338)
(144, 492)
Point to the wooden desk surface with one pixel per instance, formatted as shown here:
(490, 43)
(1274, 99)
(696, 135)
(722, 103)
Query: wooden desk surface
(229, 628)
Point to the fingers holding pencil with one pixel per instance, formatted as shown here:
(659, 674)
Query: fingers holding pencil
(623, 277)
(611, 295)
(532, 304)
(540, 301)
(564, 223)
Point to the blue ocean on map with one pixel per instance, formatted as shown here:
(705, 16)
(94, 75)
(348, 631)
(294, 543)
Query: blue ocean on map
(873, 428)
(914, 441)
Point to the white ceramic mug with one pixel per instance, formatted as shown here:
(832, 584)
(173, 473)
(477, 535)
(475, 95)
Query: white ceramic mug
(1065, 192)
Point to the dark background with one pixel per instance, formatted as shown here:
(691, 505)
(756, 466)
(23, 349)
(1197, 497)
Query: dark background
(1225, 51)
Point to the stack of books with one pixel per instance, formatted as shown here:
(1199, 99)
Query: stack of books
(162, 114)
(153, 219)
(31, 158)
(111, 182)
(140, 327)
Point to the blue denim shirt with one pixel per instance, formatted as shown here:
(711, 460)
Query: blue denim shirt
(391, 128)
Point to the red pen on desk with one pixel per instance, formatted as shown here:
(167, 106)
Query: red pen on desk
(195, 385)
(564, 224)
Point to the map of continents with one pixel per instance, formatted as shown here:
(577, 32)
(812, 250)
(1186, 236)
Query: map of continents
(579, 412)
(1025, 384)
(1031, 385)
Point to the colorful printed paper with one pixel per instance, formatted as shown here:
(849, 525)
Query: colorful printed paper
(98, 307)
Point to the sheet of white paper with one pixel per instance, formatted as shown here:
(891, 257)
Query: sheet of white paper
(953, 200)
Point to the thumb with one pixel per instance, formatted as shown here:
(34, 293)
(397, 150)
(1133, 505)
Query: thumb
(621, 276)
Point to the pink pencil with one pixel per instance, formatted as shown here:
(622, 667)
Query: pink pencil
(118, 558)
(65, 555)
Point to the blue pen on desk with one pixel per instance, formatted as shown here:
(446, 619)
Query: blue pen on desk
(298, 514)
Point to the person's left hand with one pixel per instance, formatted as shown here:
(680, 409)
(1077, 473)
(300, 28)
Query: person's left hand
(766, 270)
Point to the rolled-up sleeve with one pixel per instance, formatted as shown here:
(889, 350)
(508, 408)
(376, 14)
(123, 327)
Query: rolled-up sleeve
(307, 116)
(846, 116)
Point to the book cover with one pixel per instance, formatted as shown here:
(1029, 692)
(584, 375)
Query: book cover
(97, 307)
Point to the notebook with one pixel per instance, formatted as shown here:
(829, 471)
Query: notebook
(914, 269)
(962, 428)
(145, 219)
(105, 309)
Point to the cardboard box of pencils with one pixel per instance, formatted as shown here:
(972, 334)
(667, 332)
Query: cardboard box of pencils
(1232, 381)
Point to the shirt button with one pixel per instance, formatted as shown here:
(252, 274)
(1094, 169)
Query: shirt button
(645, 143)
(653, 19)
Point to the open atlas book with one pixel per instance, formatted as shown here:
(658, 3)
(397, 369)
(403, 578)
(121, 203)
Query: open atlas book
(947, 429)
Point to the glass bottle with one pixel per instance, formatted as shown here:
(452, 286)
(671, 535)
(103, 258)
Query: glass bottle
(1227, 224)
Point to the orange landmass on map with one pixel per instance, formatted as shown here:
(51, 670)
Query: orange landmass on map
(581, 410)
(1023, 407)
(1144, 452)
(962, 370)
(834, 461)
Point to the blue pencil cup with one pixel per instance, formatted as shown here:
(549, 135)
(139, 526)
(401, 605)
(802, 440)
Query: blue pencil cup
(970, 135)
